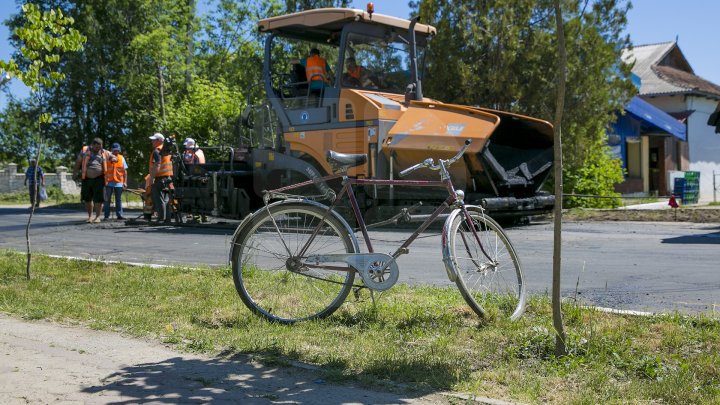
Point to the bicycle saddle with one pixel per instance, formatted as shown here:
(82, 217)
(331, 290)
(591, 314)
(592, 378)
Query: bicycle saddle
(345, 160)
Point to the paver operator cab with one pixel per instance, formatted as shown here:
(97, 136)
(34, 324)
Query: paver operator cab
(368, 104)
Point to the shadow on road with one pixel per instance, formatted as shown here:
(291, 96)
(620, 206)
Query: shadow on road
(226, 380)
(704, 239)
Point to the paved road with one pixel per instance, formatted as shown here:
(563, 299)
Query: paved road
(624, 265)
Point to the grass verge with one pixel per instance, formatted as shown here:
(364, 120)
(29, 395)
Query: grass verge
(424, 337)
(56, 197)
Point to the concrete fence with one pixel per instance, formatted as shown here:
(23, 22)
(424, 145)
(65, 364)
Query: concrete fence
(11, 181)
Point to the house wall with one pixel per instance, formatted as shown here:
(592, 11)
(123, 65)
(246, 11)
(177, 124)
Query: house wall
(703, 144)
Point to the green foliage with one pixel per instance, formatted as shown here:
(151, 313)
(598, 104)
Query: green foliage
(44, 36)
(504, 53)
(596, 176)
(208, 112)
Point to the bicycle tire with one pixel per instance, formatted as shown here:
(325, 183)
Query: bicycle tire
(261, 266)
(490, 288)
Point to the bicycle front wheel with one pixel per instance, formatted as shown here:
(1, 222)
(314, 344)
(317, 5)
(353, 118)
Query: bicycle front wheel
(489, 275)
(271, 277)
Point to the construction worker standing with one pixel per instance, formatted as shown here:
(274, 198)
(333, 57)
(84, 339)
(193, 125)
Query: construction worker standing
(160, 177)
(94, 166)
(115, 182)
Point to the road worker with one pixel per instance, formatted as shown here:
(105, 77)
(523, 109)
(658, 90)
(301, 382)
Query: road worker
(94, 166)
(115, 182)
(78, 162)
(355, 75)
(193, 155)
(317, 70)
(160, 177)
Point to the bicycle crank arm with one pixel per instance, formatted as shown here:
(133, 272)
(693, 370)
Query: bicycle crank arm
(378, 270)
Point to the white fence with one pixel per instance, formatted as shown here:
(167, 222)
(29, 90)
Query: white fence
(12, 181)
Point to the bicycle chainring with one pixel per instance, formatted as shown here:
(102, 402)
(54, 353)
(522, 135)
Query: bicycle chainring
(380, 274)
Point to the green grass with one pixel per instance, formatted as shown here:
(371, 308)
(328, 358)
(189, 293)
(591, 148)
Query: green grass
(55, 197)
(424, 337)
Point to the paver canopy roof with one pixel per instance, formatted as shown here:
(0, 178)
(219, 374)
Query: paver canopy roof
(322, 23)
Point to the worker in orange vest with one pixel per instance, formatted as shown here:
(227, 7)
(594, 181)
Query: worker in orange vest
(115, 182)
(355, 75)
(317, 70)
(78, 162)
(94, 166)
(160, 177)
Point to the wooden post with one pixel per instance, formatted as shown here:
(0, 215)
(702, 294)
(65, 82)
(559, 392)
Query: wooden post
(560, 348)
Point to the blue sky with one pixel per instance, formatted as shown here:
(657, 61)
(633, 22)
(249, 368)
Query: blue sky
(693, 22)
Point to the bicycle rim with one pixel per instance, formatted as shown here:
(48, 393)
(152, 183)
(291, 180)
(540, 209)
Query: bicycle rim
(261, 269)
(491, 282)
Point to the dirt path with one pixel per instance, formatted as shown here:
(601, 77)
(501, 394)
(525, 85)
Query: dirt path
(42, 363)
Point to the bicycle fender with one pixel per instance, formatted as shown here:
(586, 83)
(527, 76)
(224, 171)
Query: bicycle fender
(450, 266)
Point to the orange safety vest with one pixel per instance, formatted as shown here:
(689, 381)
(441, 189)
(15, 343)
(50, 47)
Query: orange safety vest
(315, 65)
(115, 172)
(354, 73)
(86, 159)
(166, 169)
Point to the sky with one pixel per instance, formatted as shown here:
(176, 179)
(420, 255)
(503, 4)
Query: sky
(649, 22)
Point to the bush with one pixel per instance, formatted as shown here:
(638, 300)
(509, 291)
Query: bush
(597, 176)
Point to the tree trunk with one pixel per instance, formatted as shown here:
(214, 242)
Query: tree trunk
(560, 348)
(190, 47)
(161, 91)
(36, 190)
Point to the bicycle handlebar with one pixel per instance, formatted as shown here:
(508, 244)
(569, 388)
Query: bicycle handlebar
(430, 163)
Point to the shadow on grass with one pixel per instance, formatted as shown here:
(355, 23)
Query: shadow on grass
(236, 379)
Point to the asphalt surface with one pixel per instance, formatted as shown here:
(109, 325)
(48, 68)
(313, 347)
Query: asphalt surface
(643, 266)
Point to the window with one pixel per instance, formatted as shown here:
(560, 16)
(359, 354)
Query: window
(381, 64)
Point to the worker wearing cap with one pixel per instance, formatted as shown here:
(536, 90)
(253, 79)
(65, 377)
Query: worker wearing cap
(115, 182)
(160, 176)
(193, 155)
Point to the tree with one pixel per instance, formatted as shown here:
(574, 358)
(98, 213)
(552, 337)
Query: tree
(45, 36)
(504, 54)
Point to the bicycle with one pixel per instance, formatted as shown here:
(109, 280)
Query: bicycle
(296, 259)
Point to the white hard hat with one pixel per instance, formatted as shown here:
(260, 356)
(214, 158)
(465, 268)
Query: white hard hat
(157, 137)
(189, 142)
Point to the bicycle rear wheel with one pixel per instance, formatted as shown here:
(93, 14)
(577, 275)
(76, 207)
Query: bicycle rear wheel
(270, 276)
(489, 275)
